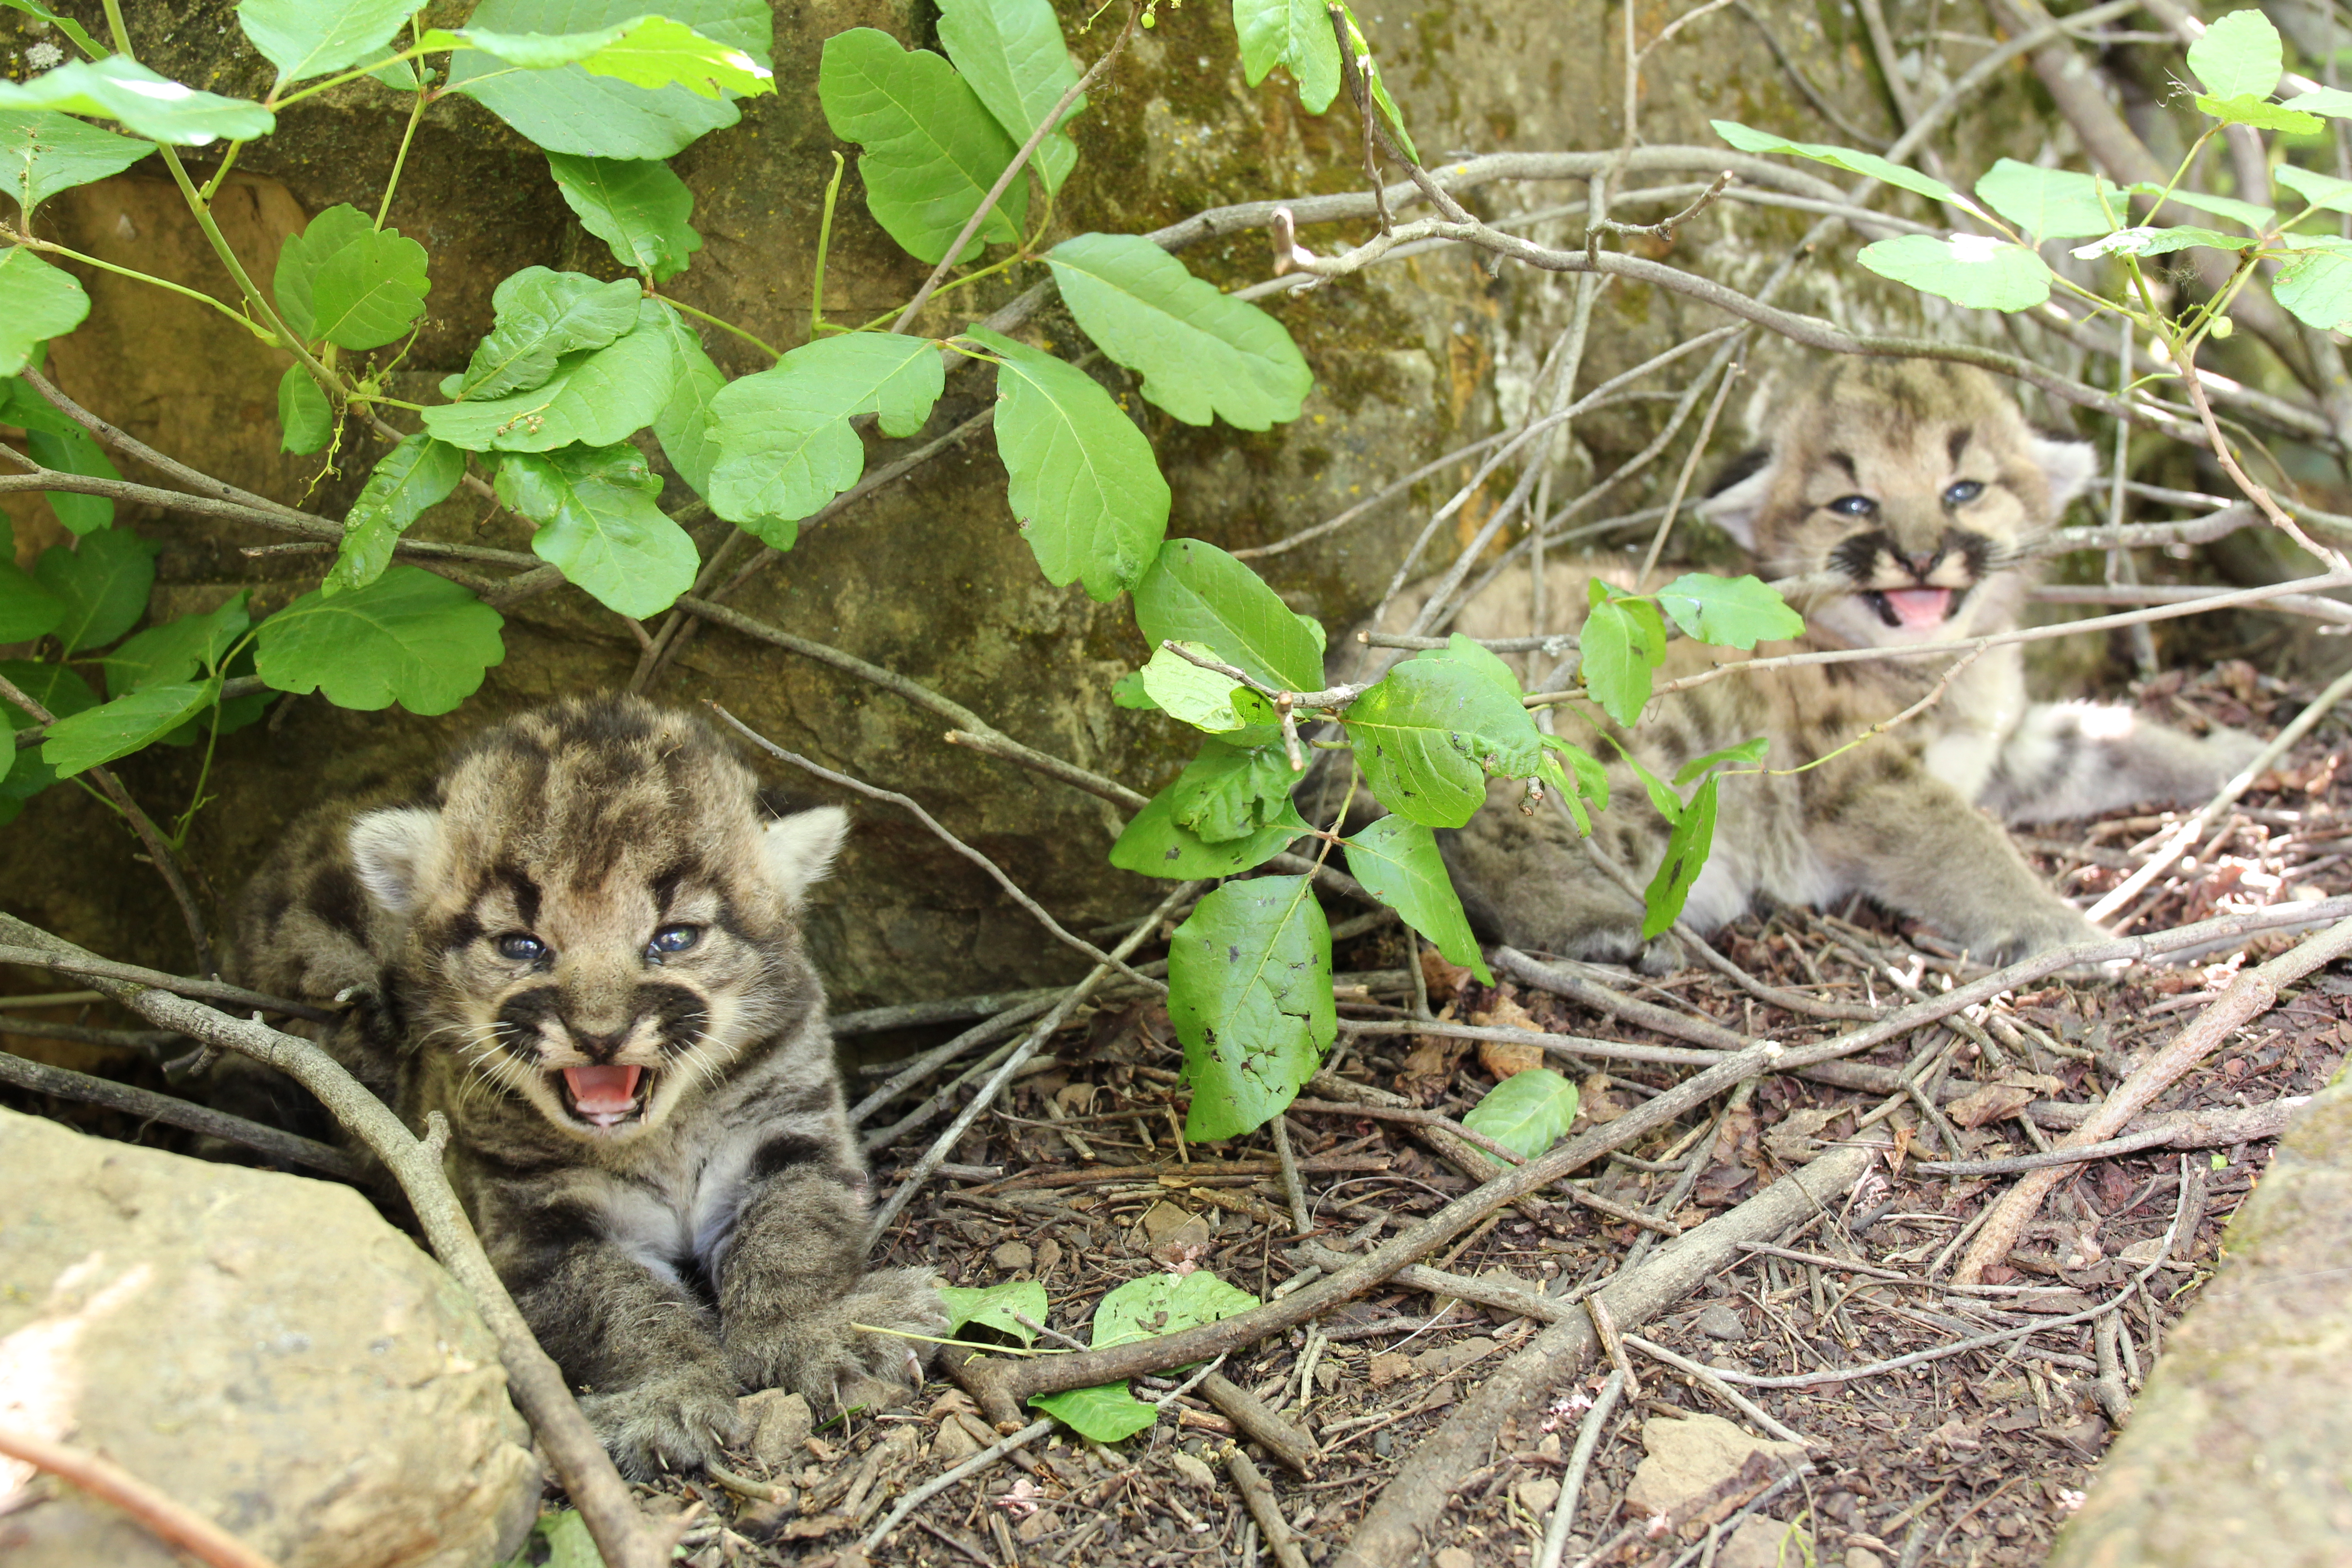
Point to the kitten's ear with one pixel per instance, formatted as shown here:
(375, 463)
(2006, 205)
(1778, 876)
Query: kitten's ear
(801, 848)
(1738, 495)
(390, 850)
(2067, 467)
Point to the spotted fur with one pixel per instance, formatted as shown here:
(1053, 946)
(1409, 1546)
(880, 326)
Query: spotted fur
(582, 947)
(1902, 496)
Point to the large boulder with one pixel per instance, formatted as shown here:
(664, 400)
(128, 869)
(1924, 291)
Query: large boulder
(263, 1348)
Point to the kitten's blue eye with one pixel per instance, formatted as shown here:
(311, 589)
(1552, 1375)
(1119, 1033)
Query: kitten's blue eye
(1962, 493)
(521, 947)
(1854, 506)
(672, 938)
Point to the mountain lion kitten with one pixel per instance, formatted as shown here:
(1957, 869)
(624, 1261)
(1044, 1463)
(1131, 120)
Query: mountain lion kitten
(582, 946)
(1906, 493)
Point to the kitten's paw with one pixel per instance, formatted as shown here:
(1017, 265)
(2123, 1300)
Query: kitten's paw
(827, 1354)
(677, 1422)
(2029, 935)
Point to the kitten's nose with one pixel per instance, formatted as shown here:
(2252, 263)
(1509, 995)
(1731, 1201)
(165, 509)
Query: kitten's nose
(1919, 565)
(602, 1047)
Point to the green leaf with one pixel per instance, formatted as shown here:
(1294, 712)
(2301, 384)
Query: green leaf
(2316, 286)
(636, 206)
(1732, 612)
(592, 398)
(1296, 34)
(1153, 845)
(146, 104)
(540, 317)
(1468, 653)
(1750, 750)
(1199, 352)
(1232, 791)
(785, 447)
(56, 442)
(650, 52)
(1127, 691)
(1526, 1113)
(2251, 215)
(124, 726)
(1397, 861)
(1200, 698)
(1617, 660)
(2052, 203)
(1084, 485)
(1969, 269)
(1160, 1304)
(2245, 109)
(1196, 592)
(994, 1306)
(2238, 54)
(63, 23)
(2333, 103)
(416, 474)
(306, 420)
(2162, 241)
(408, 637)
(1686, 851)
(566, 110)
(103, 581)
(1107, 1413)
(43, 152)
(684, 425)
(932, 149)
(1428, 735)
(1011, 55)
(1846, 158)
(1249, 992)
(304, 39)
(598, 521)
(27, 610)
(1580, 780)
(344, 280)
(2325, 192)
(1380, 90)
(178, 650)
(38, 303)
(55, 689)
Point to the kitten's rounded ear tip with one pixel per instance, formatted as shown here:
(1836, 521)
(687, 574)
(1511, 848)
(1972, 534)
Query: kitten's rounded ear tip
(801, 848)
(389, 849)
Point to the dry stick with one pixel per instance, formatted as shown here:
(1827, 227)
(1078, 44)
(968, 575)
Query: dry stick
(1705, 1377)
(41, 1077)
(1443, 1283)
(914, 807)
(1295, 1449)
(1302, 1221)
(1580, 1460)
(2162, 593)
(1259, 1495)
(986, 1033)
(170, 1520)
(2217, 1128)
(625, 1537)
(74, 962)
(2193, 382)
(2190, 833)
(1395, 1531)
(2253, 992)
(972, 1467)
(1037, 1036)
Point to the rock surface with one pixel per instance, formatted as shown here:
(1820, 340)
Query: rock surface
(263, 1348)
(1684, 1460)
(2239, 1453)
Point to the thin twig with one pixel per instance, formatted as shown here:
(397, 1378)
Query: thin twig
(41, 1077)
(169, 1519)
(77, 962)
(1580, 1461)
(1302, 1220)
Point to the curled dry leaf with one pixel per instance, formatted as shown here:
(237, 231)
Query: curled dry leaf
(1992, 1103)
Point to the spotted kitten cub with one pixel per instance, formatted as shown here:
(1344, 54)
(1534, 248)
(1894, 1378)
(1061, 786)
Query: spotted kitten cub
(582, 946)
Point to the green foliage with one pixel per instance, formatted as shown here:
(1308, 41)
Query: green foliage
(565, 1536)
(683, 426)
(144, 103)
(2237, 55)
(1688, 847)
(1732, 611)
(2317, 284)
(417, 473)
(1202, 698)
(1231, 792)
(650, 52)
(43, 152)
(2052, 204)
(1971, 269)
(1526, 1113)
(566, 110)
(306, 420)
(1397, 861)
(408, 637)
(1293, 34)
(1201, 352)
(102, 582)
(1197, 593)
(1249, 993)
(540, 317)
(177, 650)
(636, 206)
(1623, 643)
(1011, 55)
(38, 303)
(598, 521)
(346, 281)
(305, 38)
(56, 442)
(1107, 1413)
(61, 692)
(1000, 1307)
(785, 446)
(1846, 158)
(932, 148)
(1139, 1310)
(1154, 844)
(1428, 736)
(593, 397)
(124, 726)
(27, 610)
(1086, 487)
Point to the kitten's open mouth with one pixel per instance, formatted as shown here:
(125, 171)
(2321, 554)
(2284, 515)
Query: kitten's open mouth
(603, 1097)
(1912, 607)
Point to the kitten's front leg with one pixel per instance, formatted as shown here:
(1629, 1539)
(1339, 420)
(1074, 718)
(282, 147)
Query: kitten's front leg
(790, 1294)
(643, 1348)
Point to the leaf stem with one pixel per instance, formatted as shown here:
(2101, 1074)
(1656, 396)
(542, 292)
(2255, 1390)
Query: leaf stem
(818, 324)
(400, 159)
(725, 326)
(30, 243)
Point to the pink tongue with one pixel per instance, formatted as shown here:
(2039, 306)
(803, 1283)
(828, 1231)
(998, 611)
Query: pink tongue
(599, 1090)
(1919, 606)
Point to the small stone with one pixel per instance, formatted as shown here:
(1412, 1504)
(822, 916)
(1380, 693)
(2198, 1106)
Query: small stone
(780, 1423)
(1863, 1557)
(1390, 1365)
(1383, 1445)
(1719, 1321)
(1454, 1557)
(953, 1445)
(1164, 1221)
(1443, 1359)
(1193, 1470)
(1537, 1496)
(1688, 1457)
(1049, 1253)
(1012, 1257)
(1761, 1543)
